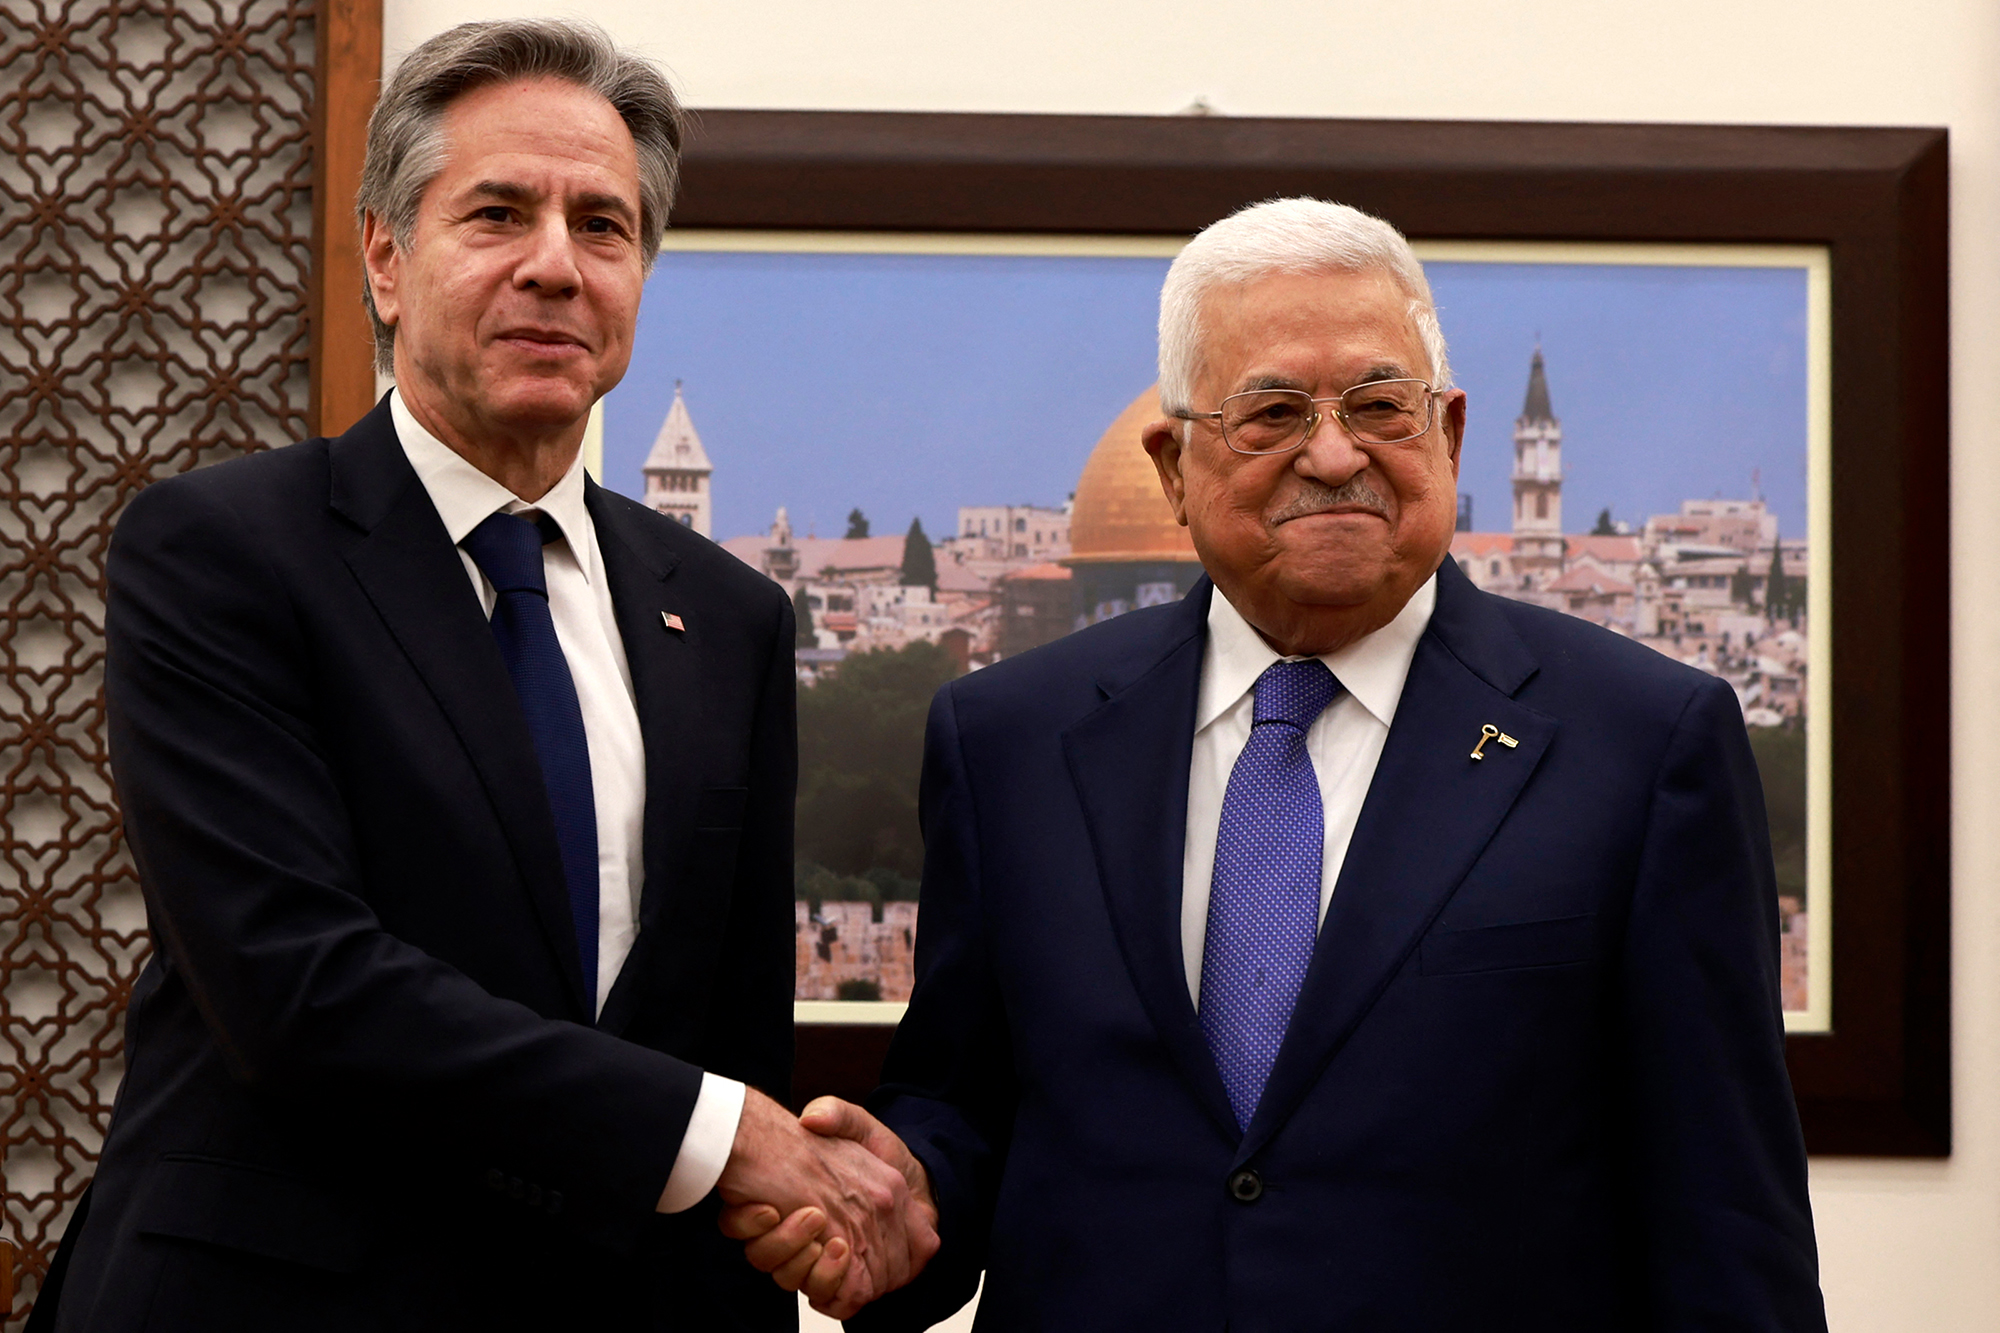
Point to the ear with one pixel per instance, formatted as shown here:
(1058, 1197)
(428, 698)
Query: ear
(382, 265)
(1454, 426)
(1163, 441)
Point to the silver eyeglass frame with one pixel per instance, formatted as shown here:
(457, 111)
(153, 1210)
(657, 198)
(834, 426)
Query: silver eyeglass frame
(1313, 422)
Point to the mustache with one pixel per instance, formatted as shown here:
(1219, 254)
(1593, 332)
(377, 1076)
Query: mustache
(1316, 497)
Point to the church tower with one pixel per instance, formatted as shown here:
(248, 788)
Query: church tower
(677, 470)
(1538, 531)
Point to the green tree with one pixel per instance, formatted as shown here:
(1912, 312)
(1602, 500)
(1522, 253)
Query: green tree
(815, 884)
(1777, 590)
(1604, 526)
(919, 561)
(861, 737)
(893, 887)
(857, 524)
(802, 614)
(1781, 762)
(1742, 584)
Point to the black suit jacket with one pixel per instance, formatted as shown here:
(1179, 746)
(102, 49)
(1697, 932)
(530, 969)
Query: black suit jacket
(1535, 1077)
(364, 1089)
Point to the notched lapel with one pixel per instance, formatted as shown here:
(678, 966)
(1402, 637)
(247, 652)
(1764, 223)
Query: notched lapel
(1430, 812)
(680, 923)
(405, 562)
(1129, 760)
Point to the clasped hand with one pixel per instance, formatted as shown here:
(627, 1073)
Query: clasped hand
(830, 1203)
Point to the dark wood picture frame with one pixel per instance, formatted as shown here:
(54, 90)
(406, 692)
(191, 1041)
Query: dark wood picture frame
(1880, 1082)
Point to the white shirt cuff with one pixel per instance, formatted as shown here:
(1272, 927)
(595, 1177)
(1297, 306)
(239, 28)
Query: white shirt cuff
(711, 1133)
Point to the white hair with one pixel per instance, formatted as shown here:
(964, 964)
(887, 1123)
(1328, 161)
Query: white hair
(1283, 236)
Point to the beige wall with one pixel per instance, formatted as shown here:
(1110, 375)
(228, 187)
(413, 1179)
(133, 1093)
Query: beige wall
(1905, 1246)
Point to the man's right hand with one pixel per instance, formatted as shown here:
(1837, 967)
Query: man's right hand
(877, 1233)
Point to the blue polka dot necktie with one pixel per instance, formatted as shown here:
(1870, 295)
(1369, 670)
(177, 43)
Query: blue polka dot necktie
(1263, 902)
(508, 550)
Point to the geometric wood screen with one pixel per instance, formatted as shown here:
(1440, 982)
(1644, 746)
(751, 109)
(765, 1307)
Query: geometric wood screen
(155, 257)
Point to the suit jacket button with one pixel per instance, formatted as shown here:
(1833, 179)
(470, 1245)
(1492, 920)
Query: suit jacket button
(1246, 1186)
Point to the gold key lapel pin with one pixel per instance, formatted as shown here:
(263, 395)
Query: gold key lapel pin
(1489, 732)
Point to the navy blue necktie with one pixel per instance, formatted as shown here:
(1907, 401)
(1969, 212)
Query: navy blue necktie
(1263, 902)
(508, 550)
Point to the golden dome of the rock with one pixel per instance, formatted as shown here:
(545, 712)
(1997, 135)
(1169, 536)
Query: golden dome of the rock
(1120, 513)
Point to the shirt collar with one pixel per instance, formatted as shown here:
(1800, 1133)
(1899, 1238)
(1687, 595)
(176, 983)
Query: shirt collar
(1372, 669)
(465, 497)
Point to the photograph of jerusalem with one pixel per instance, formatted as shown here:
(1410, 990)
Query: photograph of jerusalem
(937, 456)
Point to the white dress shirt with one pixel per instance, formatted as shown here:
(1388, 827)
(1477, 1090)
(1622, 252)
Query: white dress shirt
(1345, 742)
(587, 629)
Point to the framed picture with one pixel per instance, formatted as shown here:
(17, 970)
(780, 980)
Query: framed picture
(984, 385)
(1739, 392)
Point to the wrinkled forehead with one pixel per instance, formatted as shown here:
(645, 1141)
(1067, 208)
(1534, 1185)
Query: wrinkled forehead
(1267, 330)
(541, 114)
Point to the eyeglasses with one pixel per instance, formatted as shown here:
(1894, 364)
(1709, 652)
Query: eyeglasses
(1276, 421)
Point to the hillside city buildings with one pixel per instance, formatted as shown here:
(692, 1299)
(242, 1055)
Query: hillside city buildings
(1714, 584)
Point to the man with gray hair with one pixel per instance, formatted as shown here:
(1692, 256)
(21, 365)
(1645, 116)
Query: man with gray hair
(1341, 948)
(461, 791)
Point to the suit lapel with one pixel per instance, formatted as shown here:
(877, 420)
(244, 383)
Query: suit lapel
(679, 922)
(1429, 813)
(1129, 760)
(403, 558)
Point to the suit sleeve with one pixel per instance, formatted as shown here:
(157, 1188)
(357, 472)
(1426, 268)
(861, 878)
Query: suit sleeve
(1718, 1152)
(948, 1087)
(751, 1007)
(253, 889)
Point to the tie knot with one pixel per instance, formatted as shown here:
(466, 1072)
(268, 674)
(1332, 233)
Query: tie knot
(1295, 692)
(508, 550)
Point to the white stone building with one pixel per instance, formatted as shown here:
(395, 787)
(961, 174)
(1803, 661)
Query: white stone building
(678, 473)
(1029, 533)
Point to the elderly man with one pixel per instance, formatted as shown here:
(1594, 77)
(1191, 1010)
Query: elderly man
(461, 794)
(1342, 948)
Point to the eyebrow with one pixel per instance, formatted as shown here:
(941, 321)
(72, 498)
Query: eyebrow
(1272, 382)
(513, 192)
(1384, 370)
(606, 203)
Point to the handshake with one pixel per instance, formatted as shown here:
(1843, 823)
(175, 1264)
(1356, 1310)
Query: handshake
(830, 1203)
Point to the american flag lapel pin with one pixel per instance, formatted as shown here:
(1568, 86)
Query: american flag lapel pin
(673, 622)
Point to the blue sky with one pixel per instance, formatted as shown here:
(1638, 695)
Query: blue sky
(908, 385)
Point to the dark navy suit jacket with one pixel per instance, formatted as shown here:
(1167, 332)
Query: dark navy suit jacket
(1535, 1079)
(364, 1089)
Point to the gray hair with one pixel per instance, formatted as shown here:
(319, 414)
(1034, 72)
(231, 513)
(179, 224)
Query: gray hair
(1283, 236)
(406, 143)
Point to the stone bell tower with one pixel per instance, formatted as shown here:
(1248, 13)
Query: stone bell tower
(1538, 531)
(677, 471)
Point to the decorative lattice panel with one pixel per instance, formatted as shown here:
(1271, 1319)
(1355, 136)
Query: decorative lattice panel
(155, 229)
